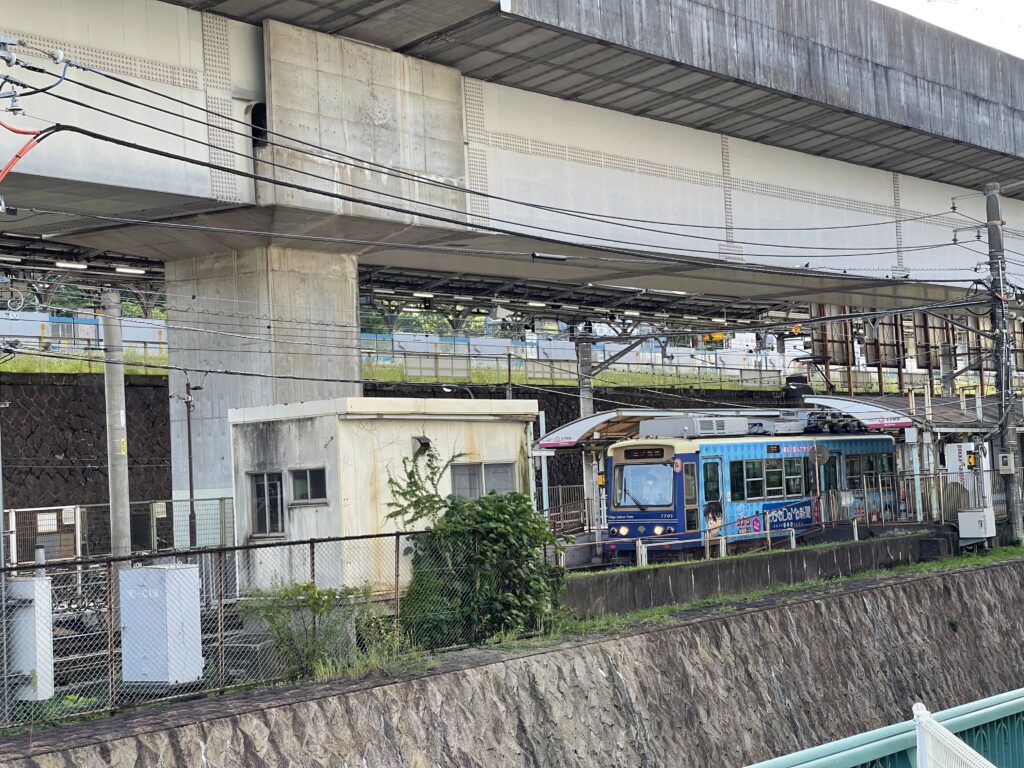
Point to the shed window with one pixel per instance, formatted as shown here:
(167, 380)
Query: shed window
(267, 505)
(309, 484)
(499, 478)
(471, 481)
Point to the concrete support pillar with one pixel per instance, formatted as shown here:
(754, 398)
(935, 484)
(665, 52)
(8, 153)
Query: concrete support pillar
(289, 316)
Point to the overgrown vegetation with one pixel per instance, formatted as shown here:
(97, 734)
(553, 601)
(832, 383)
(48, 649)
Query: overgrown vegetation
(323, 633)
(307, 625)
(665, 615)
(479, 569)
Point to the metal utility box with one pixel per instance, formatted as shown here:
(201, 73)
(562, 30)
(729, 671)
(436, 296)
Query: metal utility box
(30, 632)
(1006, 464)
(976, 524)
(161, 638)
(694, 426)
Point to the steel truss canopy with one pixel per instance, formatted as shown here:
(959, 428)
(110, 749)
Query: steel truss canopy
(850, 80)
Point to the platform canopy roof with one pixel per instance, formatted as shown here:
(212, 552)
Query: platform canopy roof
(948, 414)
(611, 426)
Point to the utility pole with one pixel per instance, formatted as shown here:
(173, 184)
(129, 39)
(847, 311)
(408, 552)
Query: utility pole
(5, 666)
(117, 429)
(585, 370)
(189, 401)
(1003, 357)
(189, 405)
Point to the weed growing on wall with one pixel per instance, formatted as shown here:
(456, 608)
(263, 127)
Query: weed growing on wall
(480, 568)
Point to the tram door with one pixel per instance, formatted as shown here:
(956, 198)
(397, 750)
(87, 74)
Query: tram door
(711, 485)
(828, 476)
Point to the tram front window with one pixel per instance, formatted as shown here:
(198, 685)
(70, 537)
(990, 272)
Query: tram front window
(643, 485)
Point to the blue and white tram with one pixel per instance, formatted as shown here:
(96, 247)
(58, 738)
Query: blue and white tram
(689, 490)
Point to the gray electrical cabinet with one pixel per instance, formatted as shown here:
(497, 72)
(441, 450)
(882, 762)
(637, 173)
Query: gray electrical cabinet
(161, 637)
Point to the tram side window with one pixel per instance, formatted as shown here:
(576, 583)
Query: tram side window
(753, 471)
(794, 477)
(736, 481)
(690, 496)
(712, 485)
(774, 479)
(767, 479)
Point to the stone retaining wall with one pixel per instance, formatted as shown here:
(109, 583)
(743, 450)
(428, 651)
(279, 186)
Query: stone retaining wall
(724, 689)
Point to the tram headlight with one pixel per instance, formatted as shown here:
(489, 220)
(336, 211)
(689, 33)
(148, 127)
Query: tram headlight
(658, 530)
(623, 530)
(670, 529)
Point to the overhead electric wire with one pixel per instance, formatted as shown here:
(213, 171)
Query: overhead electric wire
(646, 253)
(355, 161)
(412, 201)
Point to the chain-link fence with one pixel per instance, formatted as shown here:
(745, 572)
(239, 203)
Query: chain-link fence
(68, 532)
(93, 636)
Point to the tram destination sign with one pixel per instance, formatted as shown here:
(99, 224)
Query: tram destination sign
(644, 453)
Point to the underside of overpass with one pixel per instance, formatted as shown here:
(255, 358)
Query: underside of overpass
(849, 82)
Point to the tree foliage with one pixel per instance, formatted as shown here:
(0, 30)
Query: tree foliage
(481, 569)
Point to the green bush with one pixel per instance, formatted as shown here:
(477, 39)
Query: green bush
(481, 569)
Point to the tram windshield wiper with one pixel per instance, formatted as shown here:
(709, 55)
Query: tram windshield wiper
(636, 501)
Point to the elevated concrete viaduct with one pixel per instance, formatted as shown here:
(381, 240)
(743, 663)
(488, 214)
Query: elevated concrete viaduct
(816, 145)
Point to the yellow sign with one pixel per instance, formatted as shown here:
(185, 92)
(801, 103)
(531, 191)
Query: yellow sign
(124, 446)
(795, 330)
(714, 337)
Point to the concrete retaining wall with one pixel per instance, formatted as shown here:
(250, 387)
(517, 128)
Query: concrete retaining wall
(723, 689)
(624, 591)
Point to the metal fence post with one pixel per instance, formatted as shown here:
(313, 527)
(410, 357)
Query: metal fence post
(881, 501)
(312, 562)
(792, 538)
(221, 669)
(767, 531)
(722, 546)
(222, 509)
(111, 675)
(398, 555)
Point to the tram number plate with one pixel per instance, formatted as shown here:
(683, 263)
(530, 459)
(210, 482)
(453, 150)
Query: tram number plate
(644, 453)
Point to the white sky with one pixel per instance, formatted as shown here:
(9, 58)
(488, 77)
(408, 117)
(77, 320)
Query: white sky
(998, 23)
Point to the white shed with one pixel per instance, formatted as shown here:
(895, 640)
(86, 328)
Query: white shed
(320, 469)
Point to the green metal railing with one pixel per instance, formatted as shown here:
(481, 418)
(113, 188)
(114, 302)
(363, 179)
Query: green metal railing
(994, 727)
